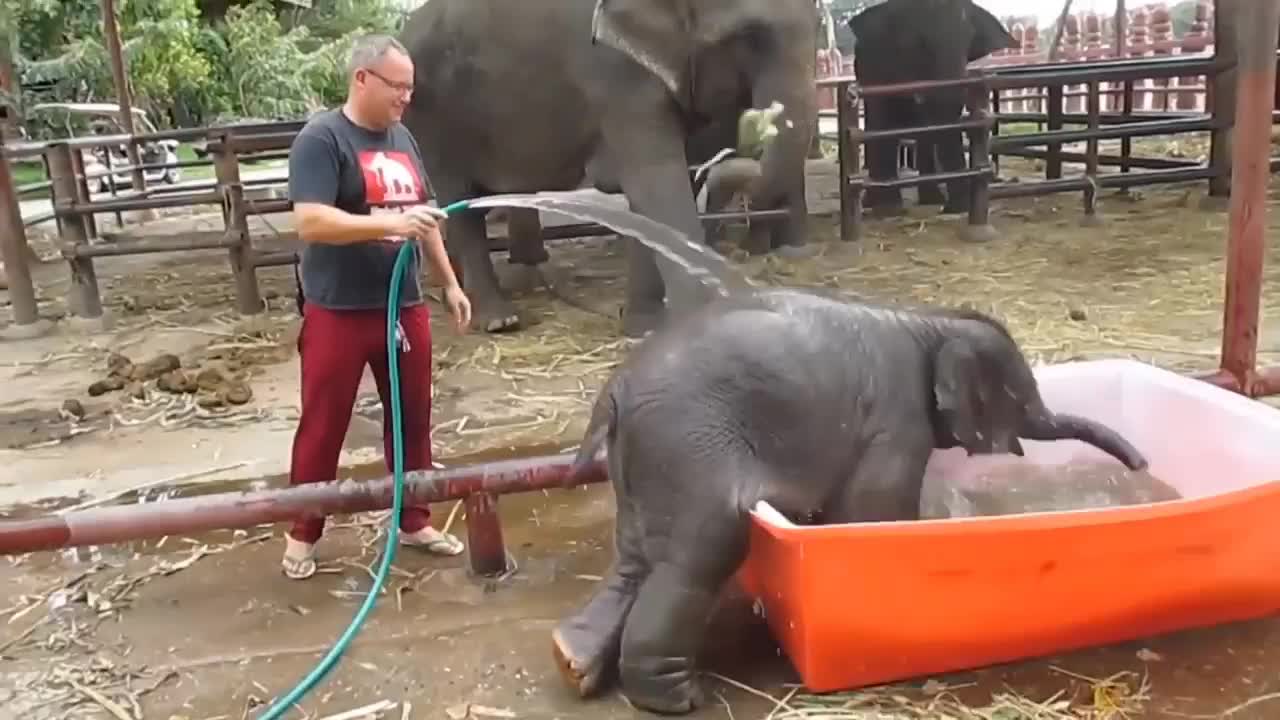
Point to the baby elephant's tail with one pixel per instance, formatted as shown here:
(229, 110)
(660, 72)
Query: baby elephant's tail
(604, 420)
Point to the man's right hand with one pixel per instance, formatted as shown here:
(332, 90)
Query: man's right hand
(413, 223)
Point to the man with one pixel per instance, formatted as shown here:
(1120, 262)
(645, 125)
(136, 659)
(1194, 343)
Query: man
(359, 189)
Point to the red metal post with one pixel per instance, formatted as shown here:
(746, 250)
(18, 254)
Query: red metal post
(485, 547)
(1256, 25)
(120, 523)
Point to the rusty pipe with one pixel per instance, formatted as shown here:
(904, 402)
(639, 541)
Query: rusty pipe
(120, 523)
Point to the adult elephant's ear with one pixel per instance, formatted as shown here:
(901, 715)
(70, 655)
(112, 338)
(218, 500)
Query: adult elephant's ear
(875, 21)
(654, 33)
(960, 396)
(989, 34)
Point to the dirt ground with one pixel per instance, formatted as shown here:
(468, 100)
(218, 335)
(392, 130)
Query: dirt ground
(208, 627)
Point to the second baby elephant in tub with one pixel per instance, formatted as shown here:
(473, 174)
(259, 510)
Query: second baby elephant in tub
(811, 403)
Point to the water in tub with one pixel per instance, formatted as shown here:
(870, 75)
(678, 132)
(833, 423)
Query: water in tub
(1002, 485)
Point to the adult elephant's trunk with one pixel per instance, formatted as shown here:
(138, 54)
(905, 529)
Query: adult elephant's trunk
(1047, 425)
(781, 182)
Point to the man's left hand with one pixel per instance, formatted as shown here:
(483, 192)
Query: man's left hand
(459, 306)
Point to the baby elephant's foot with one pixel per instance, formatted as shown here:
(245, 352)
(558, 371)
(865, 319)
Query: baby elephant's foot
(582, 662)
(662, 685)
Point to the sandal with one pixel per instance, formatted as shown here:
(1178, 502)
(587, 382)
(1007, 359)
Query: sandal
(433, 541)
(299, 561)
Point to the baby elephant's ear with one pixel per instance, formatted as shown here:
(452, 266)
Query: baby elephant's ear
(959, 394)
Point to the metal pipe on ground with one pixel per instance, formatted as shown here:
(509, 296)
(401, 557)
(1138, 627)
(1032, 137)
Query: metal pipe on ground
(189, 515)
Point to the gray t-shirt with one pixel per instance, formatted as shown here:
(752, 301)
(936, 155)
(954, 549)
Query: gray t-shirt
(338, 163)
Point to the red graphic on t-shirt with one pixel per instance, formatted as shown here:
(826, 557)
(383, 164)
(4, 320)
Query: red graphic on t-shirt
(390, 176)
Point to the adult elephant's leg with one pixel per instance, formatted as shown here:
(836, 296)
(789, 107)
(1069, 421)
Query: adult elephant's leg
(586, 644)
(927, 164)
(524, 237)
(525, 250)
(882, 157)
(667, 624)
(654, 175)
(468, 242)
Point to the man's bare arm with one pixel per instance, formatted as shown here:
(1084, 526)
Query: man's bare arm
(438, 257)
(327, 225)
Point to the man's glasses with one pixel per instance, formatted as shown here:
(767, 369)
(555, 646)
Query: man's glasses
(402, 87)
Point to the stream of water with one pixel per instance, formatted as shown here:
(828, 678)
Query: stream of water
(700, 261)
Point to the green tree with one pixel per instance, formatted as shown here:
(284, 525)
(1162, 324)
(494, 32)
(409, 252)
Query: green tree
(60, 42)
(254, 58)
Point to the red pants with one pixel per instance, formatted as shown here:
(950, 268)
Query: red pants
(335, 346)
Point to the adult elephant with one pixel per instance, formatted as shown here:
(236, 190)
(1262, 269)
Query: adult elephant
(902, 41)
(807, 402)
(519, 96)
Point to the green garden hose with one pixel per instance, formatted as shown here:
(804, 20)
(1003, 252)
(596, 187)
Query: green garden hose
(397, 440)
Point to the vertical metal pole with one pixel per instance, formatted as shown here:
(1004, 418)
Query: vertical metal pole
(111, 31)
(993, 103)
(1094, 102)
(1258, 21)
(847, 147)
(13, 248)
(1126, 142)
(979, 227)
(1053, 158)
(1222, 93)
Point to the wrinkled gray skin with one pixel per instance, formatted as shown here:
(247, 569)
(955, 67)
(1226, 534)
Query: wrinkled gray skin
(813, 404)
(913, 40)
(610, 90)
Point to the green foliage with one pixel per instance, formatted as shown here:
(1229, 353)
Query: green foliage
(263, 59)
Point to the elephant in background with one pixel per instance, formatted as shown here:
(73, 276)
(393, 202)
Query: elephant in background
(811, 403)
(610, 91)
(902, 41)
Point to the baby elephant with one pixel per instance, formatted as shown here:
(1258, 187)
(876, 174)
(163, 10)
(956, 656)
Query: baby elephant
(808, 402)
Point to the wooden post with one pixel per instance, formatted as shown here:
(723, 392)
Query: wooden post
(1257, 21)
(111, 32)
(14, 250)
(85, 300)
(226, 166)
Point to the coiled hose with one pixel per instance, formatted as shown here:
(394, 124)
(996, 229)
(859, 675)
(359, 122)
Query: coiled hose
(393, 529)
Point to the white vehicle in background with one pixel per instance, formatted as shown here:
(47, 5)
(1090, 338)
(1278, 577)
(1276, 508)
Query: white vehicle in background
(81, 119)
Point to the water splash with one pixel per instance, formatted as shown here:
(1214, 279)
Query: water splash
(699, 261)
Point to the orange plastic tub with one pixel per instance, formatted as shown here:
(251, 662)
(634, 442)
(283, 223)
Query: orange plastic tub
(864, 604)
